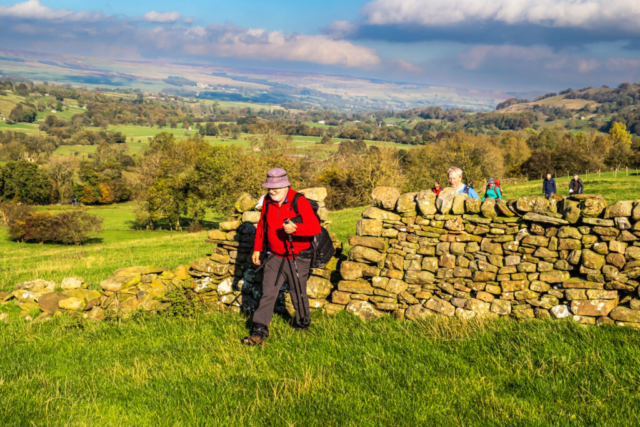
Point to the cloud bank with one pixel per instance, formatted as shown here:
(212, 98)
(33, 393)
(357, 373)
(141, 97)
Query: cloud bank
(31, 25)
(551, 13)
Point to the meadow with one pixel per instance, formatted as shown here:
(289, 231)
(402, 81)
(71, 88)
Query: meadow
(193, 371)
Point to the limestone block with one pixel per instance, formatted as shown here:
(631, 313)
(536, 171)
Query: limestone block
(532, 204)
(593, 307)
(385, 197)
(440, 306)
(488, 208)
(619, 209)
(355, 287)
(444, 202)
(364, 310)
(376, 213)
(560, 312)
(369, 227)
(593, 206)
(417, 312)
(318, 194)
(457, 207)
(426, 201)
(318, 287)
(472, 206)
(229, 225)
(245, 203)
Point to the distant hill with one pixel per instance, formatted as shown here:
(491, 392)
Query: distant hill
(241, 84)
(588, 100)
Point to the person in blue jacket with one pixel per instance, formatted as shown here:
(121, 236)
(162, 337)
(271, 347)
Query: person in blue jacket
(455, 180)
(548, 186)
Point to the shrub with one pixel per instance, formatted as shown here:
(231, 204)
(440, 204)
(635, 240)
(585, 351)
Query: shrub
(11, 212)
(74, 227)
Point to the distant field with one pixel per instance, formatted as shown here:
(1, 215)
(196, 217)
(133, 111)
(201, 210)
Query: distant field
(30, 128)
(140, 134)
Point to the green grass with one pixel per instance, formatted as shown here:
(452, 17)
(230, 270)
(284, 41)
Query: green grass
(612, 188)
(343, 223)
(118, 245)
(20, 127)
(174, 371)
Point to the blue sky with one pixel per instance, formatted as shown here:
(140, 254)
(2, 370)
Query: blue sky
(480, 44)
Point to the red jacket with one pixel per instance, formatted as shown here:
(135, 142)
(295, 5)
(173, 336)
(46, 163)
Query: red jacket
(276, 237)
(437, 191)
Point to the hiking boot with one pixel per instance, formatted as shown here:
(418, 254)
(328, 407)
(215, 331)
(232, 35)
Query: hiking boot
(253, 340)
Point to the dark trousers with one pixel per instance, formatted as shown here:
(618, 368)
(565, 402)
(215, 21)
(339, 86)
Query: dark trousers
(271, 285)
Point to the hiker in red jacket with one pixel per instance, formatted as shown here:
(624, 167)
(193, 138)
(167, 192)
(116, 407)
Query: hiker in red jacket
(283, 261)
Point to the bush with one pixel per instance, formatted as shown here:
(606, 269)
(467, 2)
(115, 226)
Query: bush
(11, 212)
(74, 227)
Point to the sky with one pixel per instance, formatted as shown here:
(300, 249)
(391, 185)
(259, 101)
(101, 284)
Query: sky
(506, 45)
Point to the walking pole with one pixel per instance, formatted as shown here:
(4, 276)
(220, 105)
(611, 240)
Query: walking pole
(297, 285)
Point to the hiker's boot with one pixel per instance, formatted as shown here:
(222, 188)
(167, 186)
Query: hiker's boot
(259, 334)
(303, 326)
(253, 340)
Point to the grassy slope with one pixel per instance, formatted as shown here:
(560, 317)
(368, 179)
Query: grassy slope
(194, 372)
(612, 188)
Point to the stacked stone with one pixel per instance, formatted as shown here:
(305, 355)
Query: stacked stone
(236, 280)
(415, 255)
(128, 289)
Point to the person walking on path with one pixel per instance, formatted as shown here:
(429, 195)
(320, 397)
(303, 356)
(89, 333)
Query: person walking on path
(436, 188)
(548, 186)
(576, 186)
(455, 180)
(282, 235)
(492, 191)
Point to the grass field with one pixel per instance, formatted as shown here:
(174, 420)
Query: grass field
(611, 187)
(174, 371)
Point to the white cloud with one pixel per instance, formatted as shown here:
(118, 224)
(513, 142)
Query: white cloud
(339, 29)
(553, 13)
(163, 17)
(261, 45)
(33, 9)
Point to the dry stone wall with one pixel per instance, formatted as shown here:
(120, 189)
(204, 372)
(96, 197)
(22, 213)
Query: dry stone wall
(414, 255)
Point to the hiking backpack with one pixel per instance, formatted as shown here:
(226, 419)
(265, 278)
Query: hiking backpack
(322, 248)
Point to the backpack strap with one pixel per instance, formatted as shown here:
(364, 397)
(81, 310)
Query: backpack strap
(294, 203)
(466, 189)
(265, 243)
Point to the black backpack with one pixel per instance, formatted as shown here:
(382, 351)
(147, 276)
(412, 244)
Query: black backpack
(321, 249)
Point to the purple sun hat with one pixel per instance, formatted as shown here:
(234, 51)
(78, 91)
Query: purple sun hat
(277, 178)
